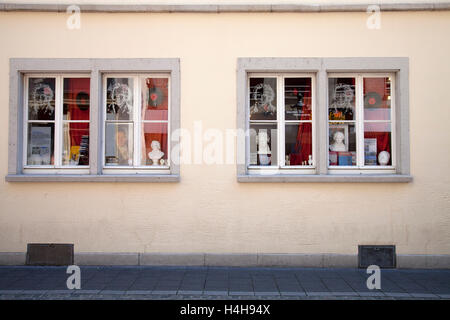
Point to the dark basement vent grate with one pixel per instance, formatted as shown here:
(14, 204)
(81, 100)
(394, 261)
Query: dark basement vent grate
(49, 254)
(382, 256)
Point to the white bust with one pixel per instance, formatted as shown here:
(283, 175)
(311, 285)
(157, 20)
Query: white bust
(338, 142)
(383, 158)
(156, 152)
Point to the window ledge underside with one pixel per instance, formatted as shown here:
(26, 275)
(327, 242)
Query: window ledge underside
(92, 178)
(403, 178)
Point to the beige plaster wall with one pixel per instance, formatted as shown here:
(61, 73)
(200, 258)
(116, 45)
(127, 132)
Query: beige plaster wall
(208, 211)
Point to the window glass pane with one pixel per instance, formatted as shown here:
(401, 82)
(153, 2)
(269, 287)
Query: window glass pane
(297, 98)
(263, 98)
(263, 144)
(341, 98)
(377, 98)
(342, 142)
(377, 144)
(154, 98)
(154, 144)
(75, 144)
(298, 144)
(41, 139)
(119, 144)
(41, 99)
(119, 98)
(76, 98)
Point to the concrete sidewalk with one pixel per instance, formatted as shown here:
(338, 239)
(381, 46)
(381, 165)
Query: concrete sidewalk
(24, 282)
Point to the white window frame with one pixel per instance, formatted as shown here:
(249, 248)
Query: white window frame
(281, 123)
(359, 126)
(94, 68)
(137, 124)
(58, 122)
(398, 67)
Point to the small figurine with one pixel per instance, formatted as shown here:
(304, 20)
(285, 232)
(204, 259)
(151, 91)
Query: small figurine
(156, 154)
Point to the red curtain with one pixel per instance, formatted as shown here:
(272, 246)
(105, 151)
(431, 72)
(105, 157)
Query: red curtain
(155, 131)
(77, 109)
(303, 147)
(380, 131)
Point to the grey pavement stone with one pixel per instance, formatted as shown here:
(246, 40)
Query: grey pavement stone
(371, 294)
(159, 291)
(241, 293)
(317, 293)
(112, 292)
(215, 293)
(293, 293)
(196, 292)
(424, 295)
(397, 294)
(344, 293)
(135, 292)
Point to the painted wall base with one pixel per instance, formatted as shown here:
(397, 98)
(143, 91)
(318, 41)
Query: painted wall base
(325, 260)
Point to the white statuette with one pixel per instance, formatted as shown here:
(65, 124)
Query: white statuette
(156, 152)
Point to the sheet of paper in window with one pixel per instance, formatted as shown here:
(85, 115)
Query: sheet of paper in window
(40, 145)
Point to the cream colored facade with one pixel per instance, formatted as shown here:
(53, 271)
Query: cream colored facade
(208, 211)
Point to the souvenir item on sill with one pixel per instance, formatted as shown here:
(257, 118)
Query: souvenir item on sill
(338, 142)
(345, 158)
(372, 100)
(154, 95)
(287, 161)
(264, 95)
(383, 158)
(370, 152)
(162, 162)
(112, 160)
(333, 157)
(310, 161)
(263, 147)
(156, 154)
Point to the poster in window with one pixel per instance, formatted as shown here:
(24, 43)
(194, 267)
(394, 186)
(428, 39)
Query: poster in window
(40, 145)
(370, 152)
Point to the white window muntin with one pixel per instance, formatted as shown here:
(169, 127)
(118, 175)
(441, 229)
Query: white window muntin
(57, 168)
(359, 124)
(137, 121)
(281, 122)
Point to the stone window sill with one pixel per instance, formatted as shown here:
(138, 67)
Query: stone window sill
(326, 178)
(92, 178)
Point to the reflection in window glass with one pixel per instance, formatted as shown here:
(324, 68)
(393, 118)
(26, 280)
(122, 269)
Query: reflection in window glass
(154, 98)
(75, 144)
(377, 98)
(75, 148)
(119, 144)
(263, 144)
(342, 142)
(76, 98)
(341, 98)
(297, 98)
(377, 144)
(154, 144)
(263, 98)
(41, 139)
(298, 144)
(41, 99)
(119, 99)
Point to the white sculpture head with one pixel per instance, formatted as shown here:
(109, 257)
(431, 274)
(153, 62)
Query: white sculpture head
(156, 145)
(383, 158)
(338, 137)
